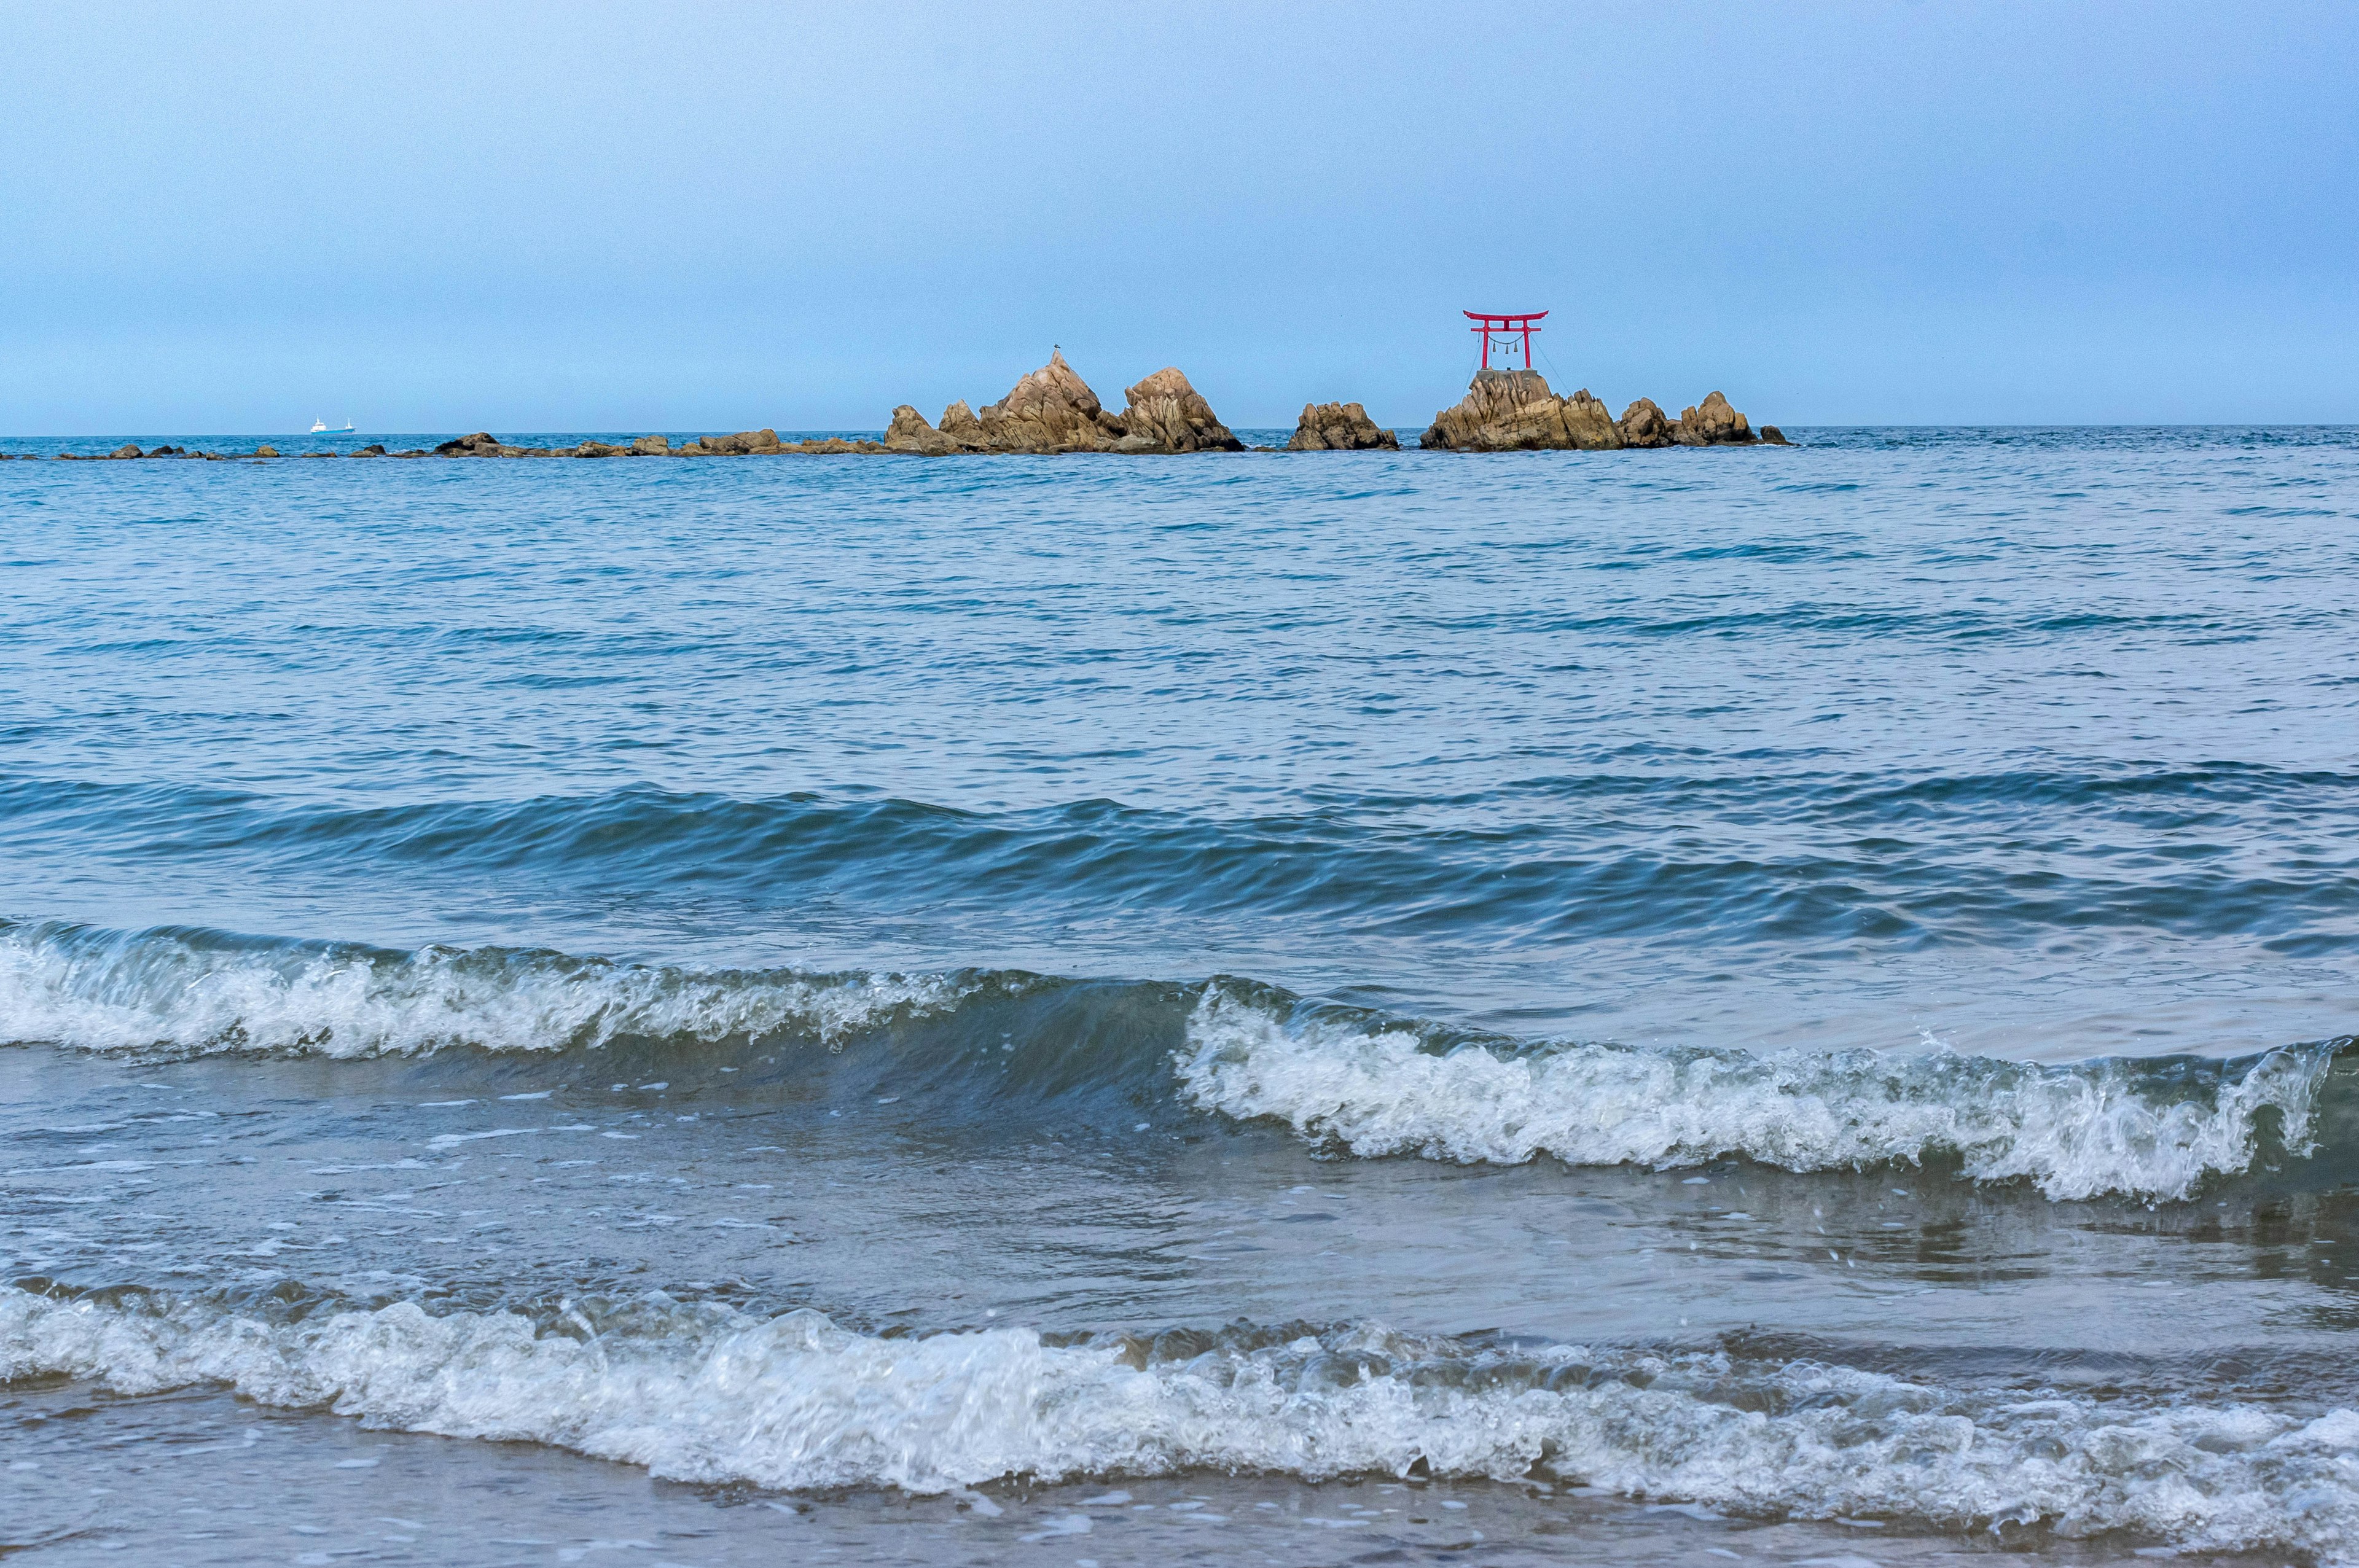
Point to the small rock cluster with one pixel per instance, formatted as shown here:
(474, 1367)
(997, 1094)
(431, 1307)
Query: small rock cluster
(1513, 410)
(1053, 410)
(1340, 428)
(744, 443)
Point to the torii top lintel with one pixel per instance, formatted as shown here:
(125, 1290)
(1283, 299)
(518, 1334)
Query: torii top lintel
(1487, 323)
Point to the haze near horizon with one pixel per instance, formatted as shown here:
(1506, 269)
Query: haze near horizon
(588, 218)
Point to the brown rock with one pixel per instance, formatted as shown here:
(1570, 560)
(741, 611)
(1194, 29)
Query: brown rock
(960, 425)
(651, 446)
(265, 452)
(593, 450)
(1050, 410)
(1338, 427)
(1773, 436)
(373, 450)
(127, 450)
(1504, 411)
(1644, 424)
(1167, 415)
(1588, 426)
(742, 443)
(482, 444)
(909, 432)
(1713, 423)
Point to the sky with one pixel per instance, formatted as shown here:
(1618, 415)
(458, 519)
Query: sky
(586, 216)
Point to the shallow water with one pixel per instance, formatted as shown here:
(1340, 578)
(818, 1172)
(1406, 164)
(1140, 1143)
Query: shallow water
(1784, 1003)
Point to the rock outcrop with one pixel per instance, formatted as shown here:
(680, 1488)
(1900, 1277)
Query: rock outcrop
(1773, 436)
(1050, 410)
(1644, 424)
(1338, 427)
(1713, 423)
(909, 432)
(1590, 427)
(1053, 410)
(1165, 414)
(1513, 411)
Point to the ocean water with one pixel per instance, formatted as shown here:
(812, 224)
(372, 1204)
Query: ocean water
(1790, 1006)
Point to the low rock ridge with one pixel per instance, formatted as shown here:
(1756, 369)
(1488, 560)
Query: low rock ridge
(1053, 410)
(1340, 428)
(1513, 410)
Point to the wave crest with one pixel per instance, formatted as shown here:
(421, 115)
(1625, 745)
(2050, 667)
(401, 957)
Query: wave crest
(2150, 1129)
(190, 992)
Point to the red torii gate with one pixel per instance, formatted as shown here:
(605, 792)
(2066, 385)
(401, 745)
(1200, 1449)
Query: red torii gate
(1486, 324)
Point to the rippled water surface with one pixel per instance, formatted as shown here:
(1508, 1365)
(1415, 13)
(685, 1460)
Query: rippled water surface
(1785, 1004)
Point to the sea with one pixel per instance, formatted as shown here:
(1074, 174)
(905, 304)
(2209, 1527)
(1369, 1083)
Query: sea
(1770, 1006)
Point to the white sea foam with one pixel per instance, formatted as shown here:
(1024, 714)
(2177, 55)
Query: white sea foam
(795, 1403)
(152, 990)
(2075, 1132)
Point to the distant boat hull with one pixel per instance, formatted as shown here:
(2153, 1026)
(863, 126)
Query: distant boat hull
(322, 429)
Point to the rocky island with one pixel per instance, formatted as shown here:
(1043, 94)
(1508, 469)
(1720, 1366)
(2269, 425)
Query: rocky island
(1513, 411)
(1052, 410)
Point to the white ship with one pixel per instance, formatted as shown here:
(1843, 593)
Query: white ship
(321, 428)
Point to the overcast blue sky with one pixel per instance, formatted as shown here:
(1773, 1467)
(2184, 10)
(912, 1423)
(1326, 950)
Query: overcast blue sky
(231, 218)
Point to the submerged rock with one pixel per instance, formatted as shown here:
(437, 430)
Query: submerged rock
(1338, 427)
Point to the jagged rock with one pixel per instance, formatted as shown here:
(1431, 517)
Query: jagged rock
(483, 443)
(127, 450)
(595, 449)
(651, 446)
(1773, 436)
(1167, 415)
(1588, 426)
(1644, 424)
(1713, 423)
(265, 452)
(1338, 427)
(1050, 410)
(1504, 411)
(960, 425)
(909, 432)
(375, 449)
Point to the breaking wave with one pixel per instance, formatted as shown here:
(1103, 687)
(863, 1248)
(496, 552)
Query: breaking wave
(2156, 1129)
(194, 991)
(2152, 1129)
(706, 1393)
